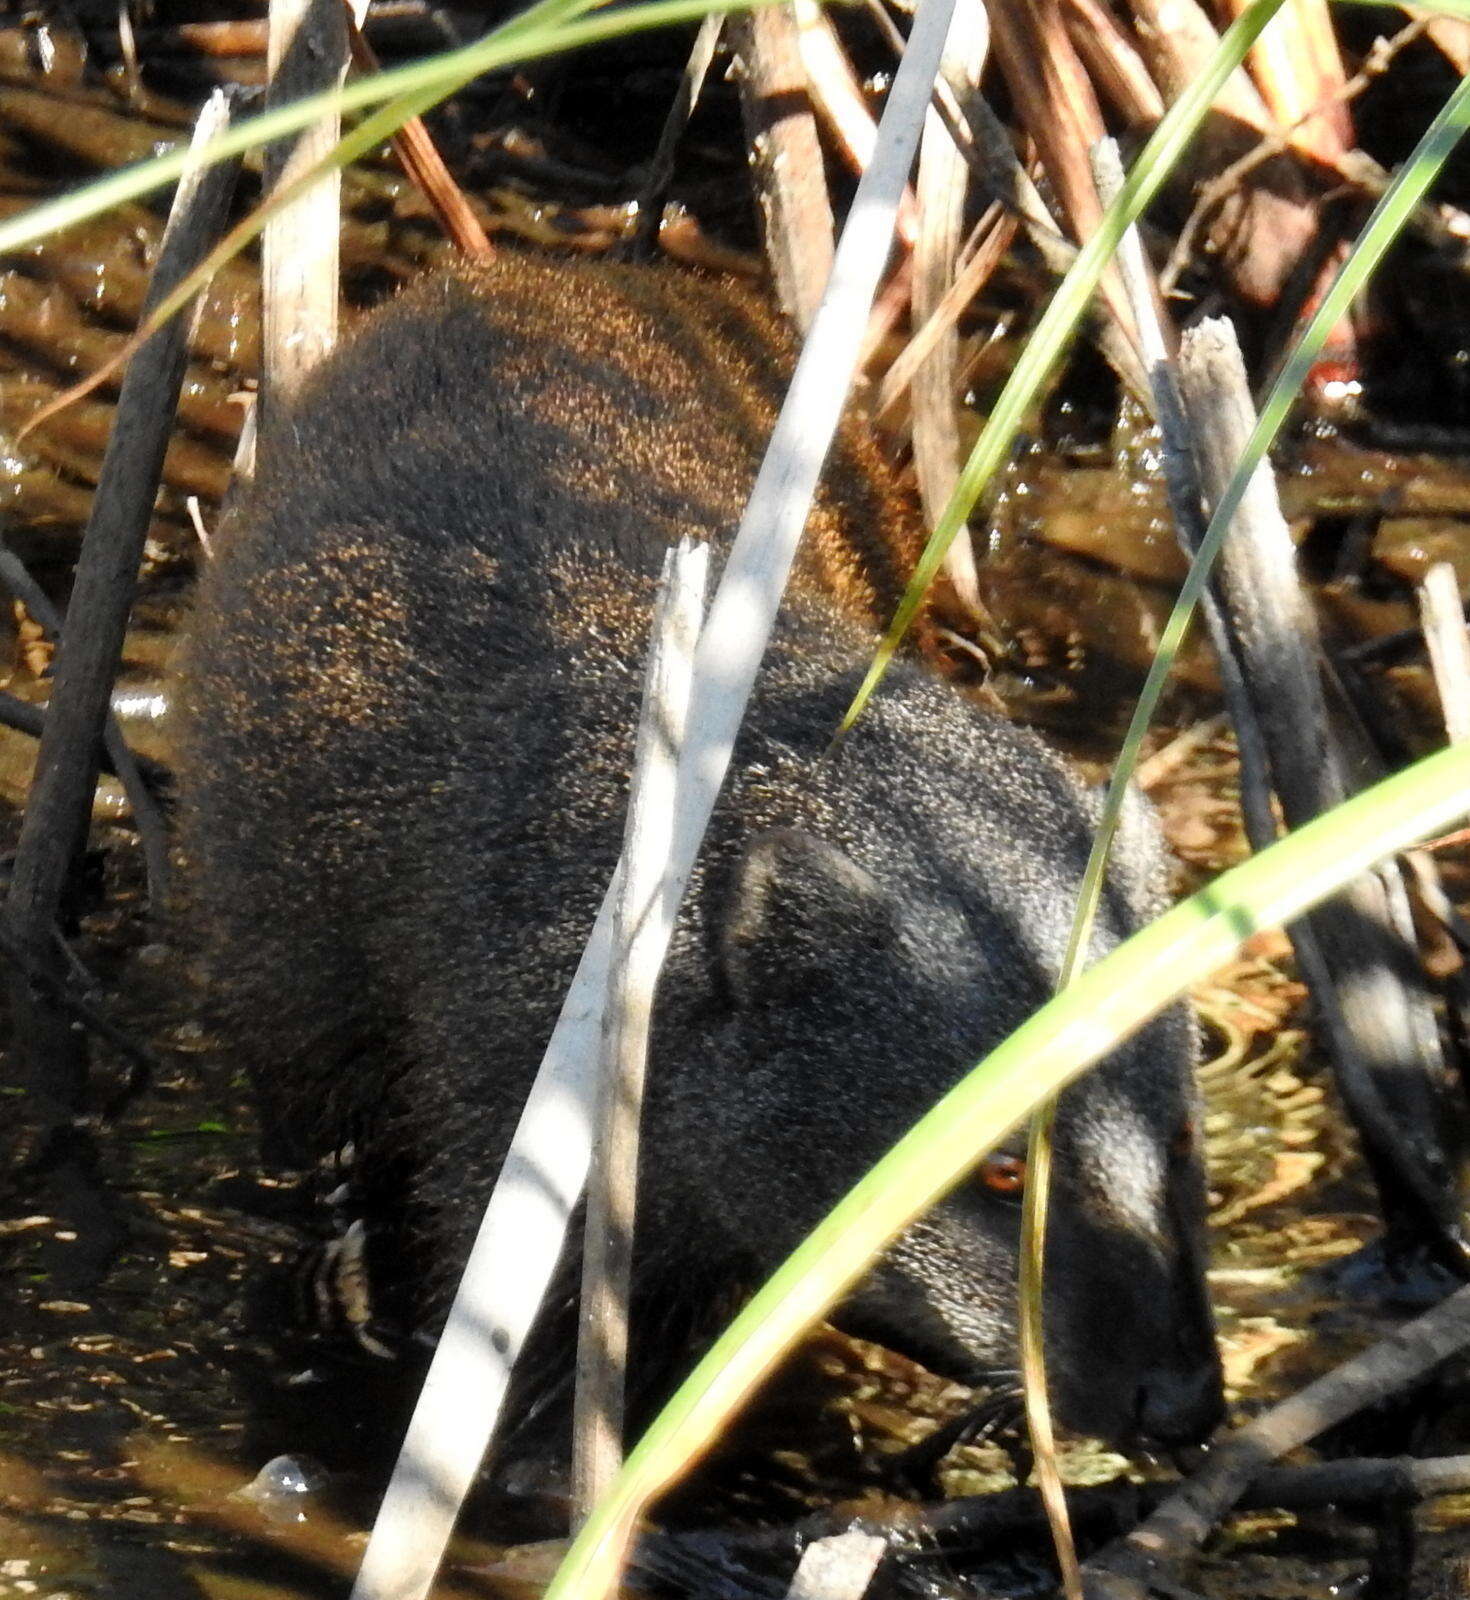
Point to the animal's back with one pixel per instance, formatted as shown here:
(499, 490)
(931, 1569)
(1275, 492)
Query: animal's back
(486, 491)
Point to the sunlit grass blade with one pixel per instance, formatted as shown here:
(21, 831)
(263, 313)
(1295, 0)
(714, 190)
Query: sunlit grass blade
(370, 132)
(1054, 330)
(1384, 225)
(547, 29)
(1077, 1028)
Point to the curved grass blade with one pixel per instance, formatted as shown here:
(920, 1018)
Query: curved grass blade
(1067, 1035)
(1384, 225)
(546, 29)
(372, 131)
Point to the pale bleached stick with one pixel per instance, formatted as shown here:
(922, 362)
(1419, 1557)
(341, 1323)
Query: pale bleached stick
(637, 956)
(306, 52)
(941, 189)
(521, 1236)
(1442, 612)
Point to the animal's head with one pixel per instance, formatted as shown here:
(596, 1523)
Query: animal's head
(857, 995)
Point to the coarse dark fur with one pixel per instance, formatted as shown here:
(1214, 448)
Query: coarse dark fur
(410, 690)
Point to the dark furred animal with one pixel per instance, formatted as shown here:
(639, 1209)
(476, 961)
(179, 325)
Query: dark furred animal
(410, 689)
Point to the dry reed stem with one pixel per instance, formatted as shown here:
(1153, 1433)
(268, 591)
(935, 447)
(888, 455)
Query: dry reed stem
(1054, 98)
(1114, 62)
(1443, 614)
(307, 52)
(994, 234)
(420, 158)
(838, 100)
(1298, 68)
(941, 190)
(635, 962)
(781, 134)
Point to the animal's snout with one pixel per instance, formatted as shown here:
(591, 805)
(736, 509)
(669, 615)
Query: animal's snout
(1181, 1404)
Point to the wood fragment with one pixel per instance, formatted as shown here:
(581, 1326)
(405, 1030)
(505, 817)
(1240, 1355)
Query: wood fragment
(635, 961)
(307, 53)
(790, 180)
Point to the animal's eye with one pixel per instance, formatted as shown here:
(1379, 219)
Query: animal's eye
(1183, 1142)
(1002, 1174)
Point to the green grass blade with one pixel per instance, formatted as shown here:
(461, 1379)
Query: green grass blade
(1061, 1040)
(1384, 224)
(546, 29)
(1049, 340)
(1382, 228)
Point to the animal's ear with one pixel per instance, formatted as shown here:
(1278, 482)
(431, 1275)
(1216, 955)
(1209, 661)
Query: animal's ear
(802, 918)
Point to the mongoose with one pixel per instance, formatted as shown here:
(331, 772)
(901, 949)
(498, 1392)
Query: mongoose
(410, 687)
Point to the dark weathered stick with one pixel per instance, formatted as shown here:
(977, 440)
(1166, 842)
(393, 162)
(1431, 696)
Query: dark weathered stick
(781, 133)
(996, 1521)
(120, 759)
(59, 808)
(655, 187)
(1180, 1525)
(1366, 982)
(82, 1010)
(1186, 500)
(31, 719)
(607, 1251)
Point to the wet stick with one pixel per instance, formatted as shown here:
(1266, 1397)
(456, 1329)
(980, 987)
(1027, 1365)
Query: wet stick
(1378, 1025)
(1128, 1568)
(607, 1257)
(55, 826)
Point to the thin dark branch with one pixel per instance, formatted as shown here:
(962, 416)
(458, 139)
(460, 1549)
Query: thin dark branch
(59, 810)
